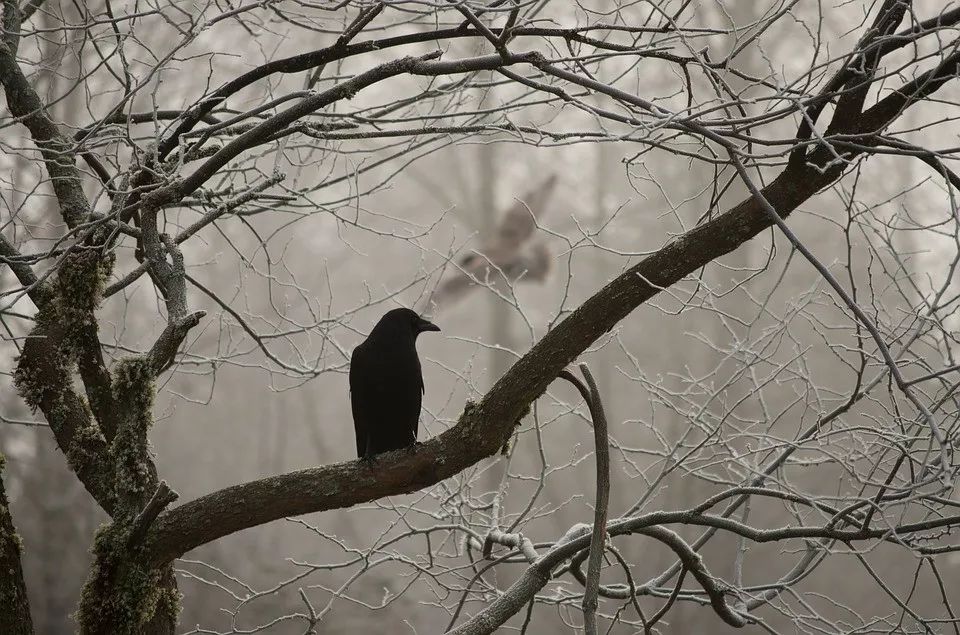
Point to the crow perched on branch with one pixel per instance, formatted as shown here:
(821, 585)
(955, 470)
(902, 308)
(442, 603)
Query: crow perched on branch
(386, 384)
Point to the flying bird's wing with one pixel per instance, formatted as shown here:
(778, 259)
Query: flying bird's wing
(502, 260)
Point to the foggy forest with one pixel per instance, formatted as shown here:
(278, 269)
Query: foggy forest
(694, 265)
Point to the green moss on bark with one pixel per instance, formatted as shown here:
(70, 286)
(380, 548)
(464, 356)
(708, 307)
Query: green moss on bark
(14, 606)
(63, 323)
(79, 454)
(121, 595)
(133, 392)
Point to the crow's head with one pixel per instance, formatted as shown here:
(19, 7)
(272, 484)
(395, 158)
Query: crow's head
(405, 320)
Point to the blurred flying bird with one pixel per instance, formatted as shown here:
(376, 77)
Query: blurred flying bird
(514, 253)
(386, 384)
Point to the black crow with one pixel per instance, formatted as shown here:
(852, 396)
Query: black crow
(386, 384)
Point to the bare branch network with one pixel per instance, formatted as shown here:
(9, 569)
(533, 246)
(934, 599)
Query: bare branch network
(206, 205)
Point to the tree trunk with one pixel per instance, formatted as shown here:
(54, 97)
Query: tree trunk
(14, 606)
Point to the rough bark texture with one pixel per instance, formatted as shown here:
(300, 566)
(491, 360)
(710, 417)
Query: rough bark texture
(14, 605)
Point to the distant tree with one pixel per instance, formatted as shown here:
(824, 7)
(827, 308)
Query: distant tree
(173, 145)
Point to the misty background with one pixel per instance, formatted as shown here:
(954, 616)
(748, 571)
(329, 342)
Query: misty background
(728, 364)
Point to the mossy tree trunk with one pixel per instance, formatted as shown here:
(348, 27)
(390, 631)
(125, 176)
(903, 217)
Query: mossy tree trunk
(14, 605)
(104, 436)
(103, 432)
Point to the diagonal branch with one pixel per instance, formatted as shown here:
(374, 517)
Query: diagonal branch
(425, 65)
(161, 498)
(38, 292)
(44, 381)
(890, 107)
(861, 71)
(25, 104)
(482, 430)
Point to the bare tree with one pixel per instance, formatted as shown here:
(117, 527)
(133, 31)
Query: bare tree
(213, 151)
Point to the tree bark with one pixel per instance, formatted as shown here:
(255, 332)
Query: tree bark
(14, 605)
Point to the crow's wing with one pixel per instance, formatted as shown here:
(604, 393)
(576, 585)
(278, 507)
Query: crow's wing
(386, 391)
(360, 398)
(423, 391)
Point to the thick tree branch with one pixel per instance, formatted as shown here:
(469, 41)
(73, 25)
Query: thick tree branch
(338, 51)
(422, 65)
(862, 69)
(163, 353)
(873, 46)
(161, 498)
(483, 429)
(884, 112)
(29, 9)
(97, 382)
(37, 291)
(25, 104)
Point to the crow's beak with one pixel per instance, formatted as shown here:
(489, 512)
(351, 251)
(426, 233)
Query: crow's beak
(426, 325)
